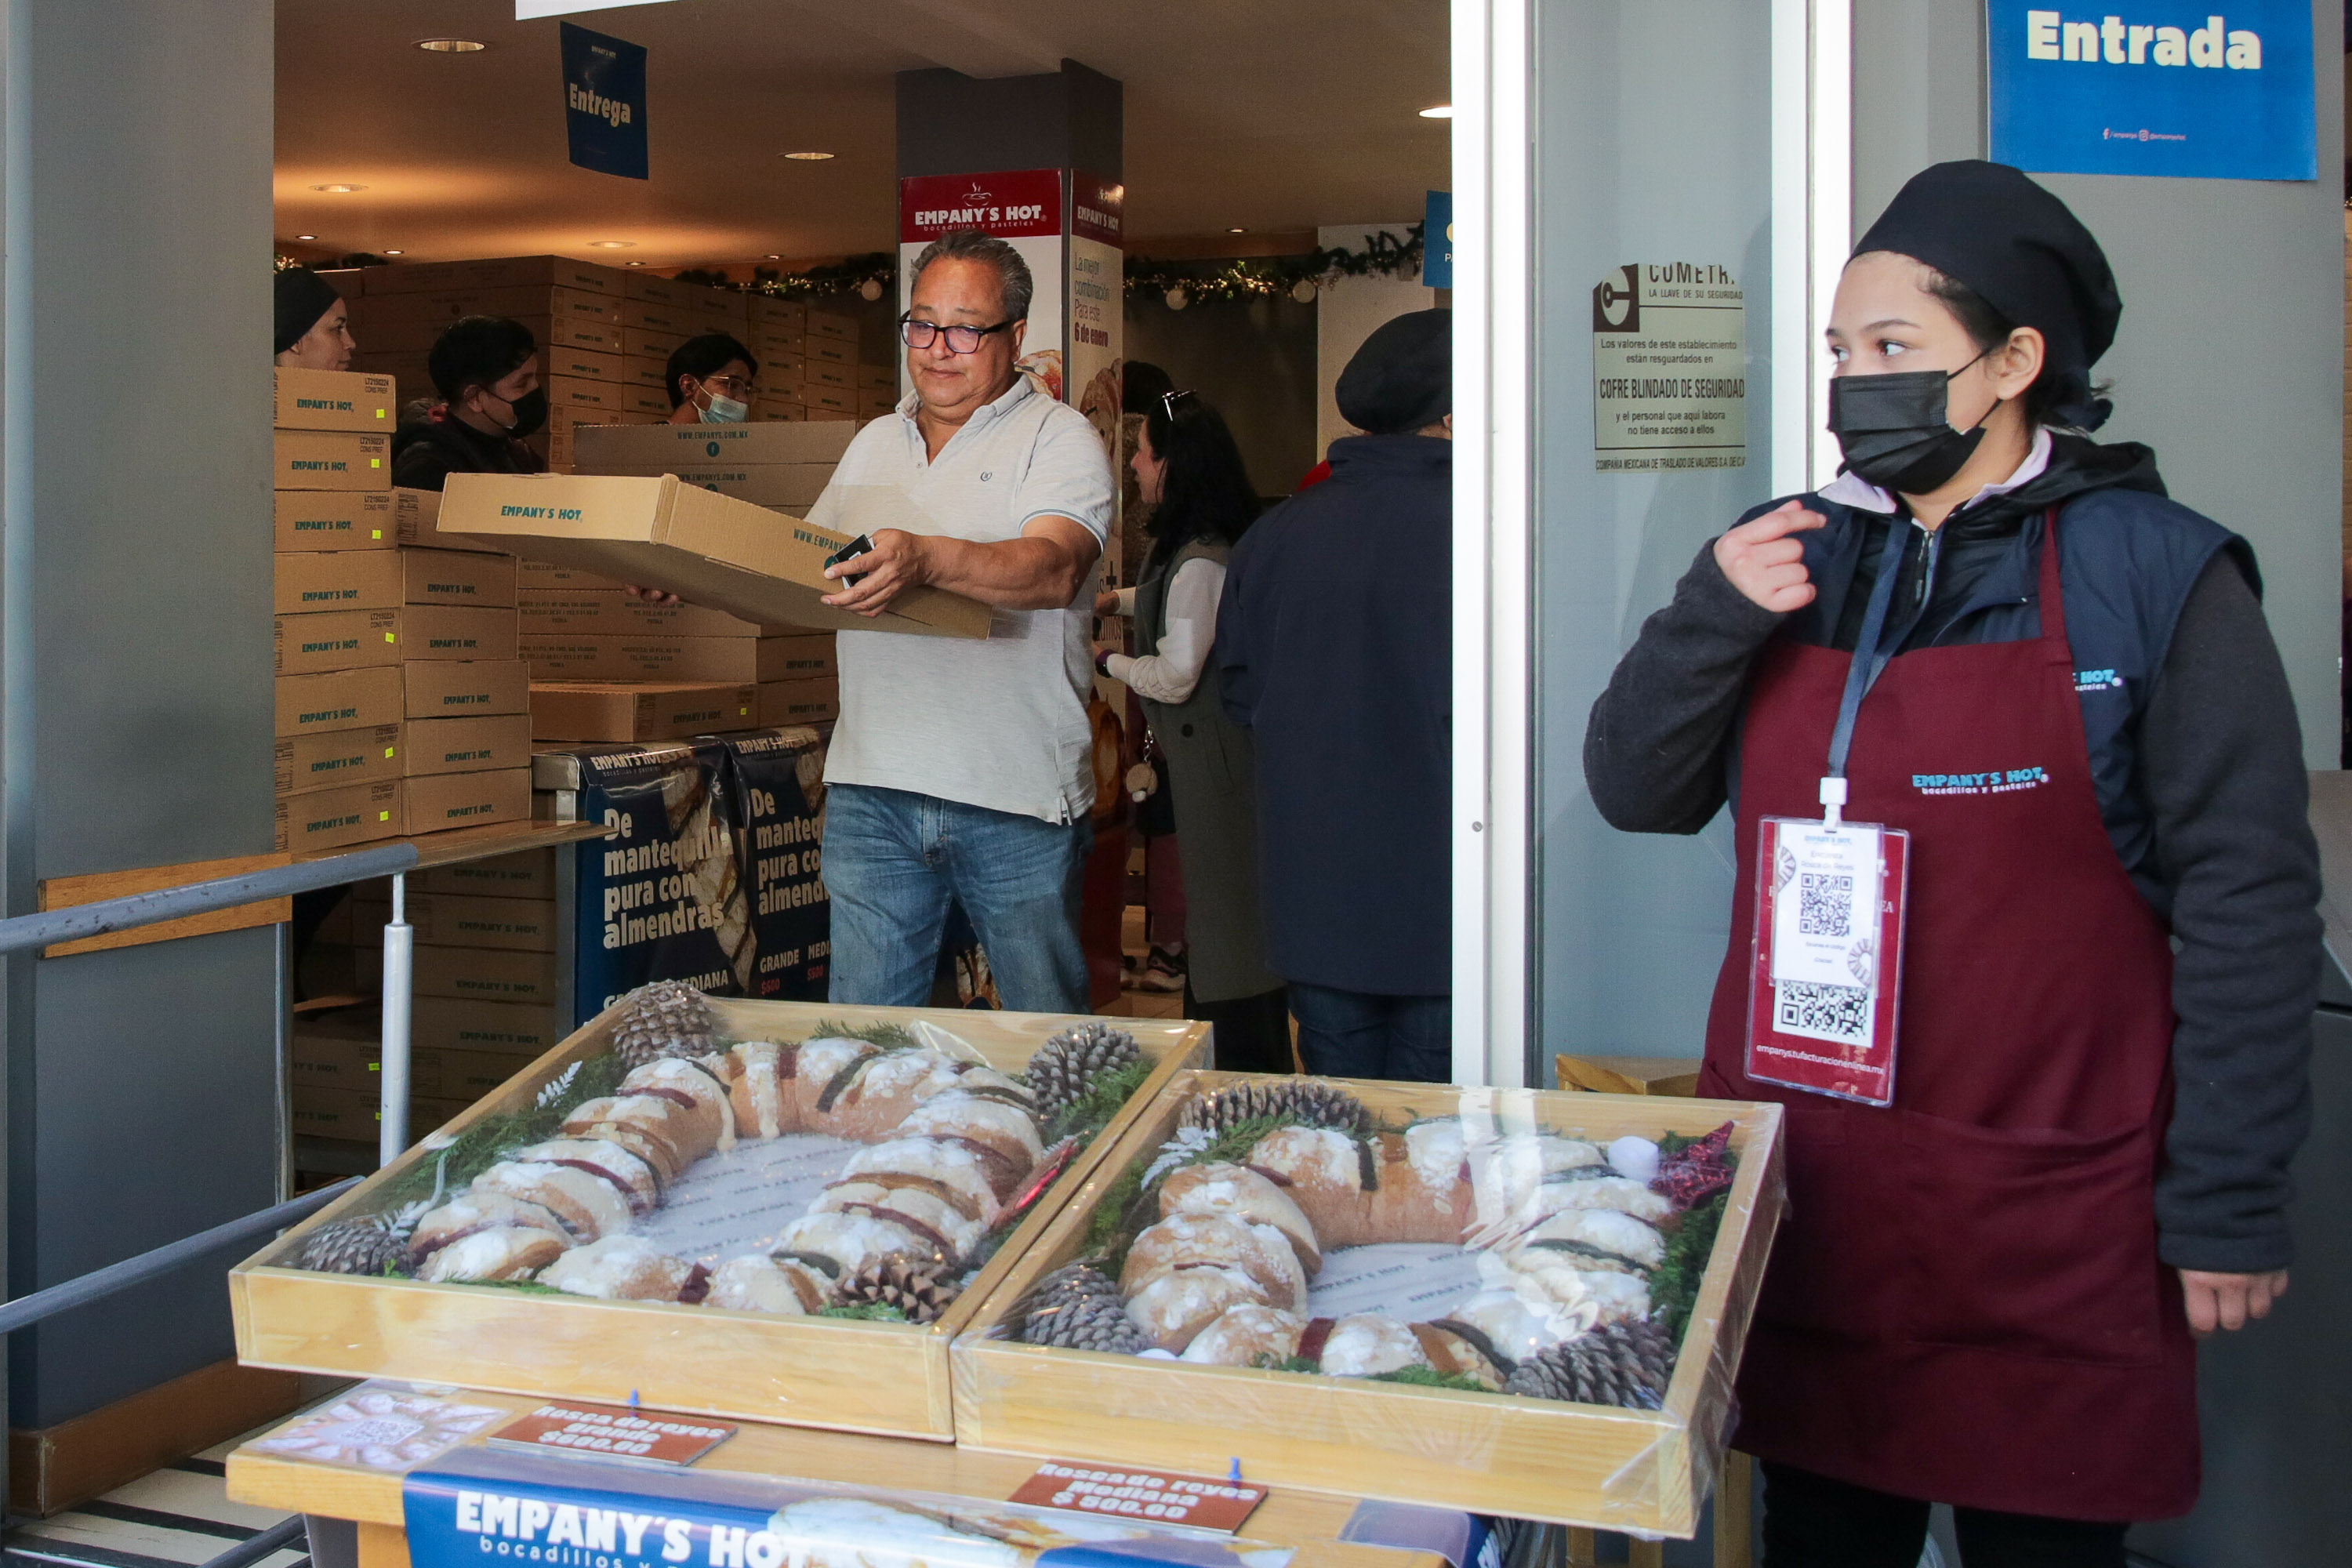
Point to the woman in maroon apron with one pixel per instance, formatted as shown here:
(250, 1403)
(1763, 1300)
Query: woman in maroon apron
(2059, 684)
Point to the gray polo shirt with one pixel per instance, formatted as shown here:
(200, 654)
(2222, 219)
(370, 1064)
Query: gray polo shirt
(1000, 723)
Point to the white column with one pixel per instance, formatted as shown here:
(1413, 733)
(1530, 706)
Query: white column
(1493, 579)
(399, 978)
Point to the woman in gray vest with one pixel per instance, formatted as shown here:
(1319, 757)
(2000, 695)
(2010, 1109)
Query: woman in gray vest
(1186, 464)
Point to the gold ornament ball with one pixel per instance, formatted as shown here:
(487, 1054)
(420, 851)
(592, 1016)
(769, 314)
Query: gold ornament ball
(1178, 299)
(871, 289)
(1304, 290)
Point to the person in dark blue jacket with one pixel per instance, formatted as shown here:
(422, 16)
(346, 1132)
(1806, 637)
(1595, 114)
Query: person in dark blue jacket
(1335, 639)
(2000, 637)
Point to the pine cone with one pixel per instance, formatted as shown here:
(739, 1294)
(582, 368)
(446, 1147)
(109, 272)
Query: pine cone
(1078, 1308)
(1623, 1364)
(1302, 1101)
(667, 1018)
(363, 1246)
(921, 1293)
(1066, 1065)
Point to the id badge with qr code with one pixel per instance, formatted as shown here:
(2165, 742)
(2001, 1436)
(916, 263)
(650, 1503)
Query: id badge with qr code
(1825, 979)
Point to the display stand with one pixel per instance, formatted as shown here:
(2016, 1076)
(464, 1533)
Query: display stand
(434, 849)
(1311, 1523)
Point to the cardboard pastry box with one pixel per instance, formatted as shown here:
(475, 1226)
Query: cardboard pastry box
(453, 689)
(331, 460)
(338, 757)
(469, 745)
(706, 548)
(439, 801)
(334, 520)
(331, 819)
(339, 700)
(665, 711)
(334, 400)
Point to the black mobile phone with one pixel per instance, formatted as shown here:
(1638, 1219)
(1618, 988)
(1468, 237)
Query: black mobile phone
(858, 546)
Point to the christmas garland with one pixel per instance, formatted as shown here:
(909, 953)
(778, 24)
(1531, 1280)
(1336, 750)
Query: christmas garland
(869, 276)
(1257, 278)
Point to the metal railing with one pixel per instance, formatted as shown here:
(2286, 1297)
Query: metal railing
(34, 931)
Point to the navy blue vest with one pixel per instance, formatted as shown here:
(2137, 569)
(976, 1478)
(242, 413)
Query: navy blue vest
(2127, 560)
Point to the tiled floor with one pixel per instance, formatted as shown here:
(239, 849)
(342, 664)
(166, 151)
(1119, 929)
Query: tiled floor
(178, 1516)
(1137, 1002)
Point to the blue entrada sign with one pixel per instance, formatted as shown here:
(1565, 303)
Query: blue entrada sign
(604, 102)
(2153, 89)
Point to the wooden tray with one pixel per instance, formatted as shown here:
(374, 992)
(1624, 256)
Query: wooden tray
(1488, 1453)
(845, 1373)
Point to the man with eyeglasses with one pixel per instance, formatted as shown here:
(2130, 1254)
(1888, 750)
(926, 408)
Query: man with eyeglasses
(962, 770)
(711, 379)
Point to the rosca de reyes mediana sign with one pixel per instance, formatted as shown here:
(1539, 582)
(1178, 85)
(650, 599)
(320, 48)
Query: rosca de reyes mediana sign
(1669, 368)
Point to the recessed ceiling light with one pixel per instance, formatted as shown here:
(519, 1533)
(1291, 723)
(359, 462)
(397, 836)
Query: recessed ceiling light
(1236, 231)
(339, 189)
(452, 45)
(1438, 112)
(612, 245)
(775, 255)
(395, 253)
(636, 264)
(808, 157)
(306, 236)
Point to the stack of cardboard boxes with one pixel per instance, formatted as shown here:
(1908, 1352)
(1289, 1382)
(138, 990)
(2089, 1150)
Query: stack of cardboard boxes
(341, 746)
(605, 336)
(808, 364)
(606, 666)
(485, 1002)
(580, 314)
(401, 704)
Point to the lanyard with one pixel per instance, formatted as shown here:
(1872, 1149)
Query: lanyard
(1868, 663)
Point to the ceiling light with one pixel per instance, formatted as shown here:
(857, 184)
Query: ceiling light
(306, 236)
(808, 157)
(612, 245)
(775, 255)
(395, 253)
(339, 189)
(636, 264)
(1236, 231)
(452, 45)
(1438, 112)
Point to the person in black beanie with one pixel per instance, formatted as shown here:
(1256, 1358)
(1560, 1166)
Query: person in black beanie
(486, 369)
(1999, 636)
(314, 325)
(1335, 644)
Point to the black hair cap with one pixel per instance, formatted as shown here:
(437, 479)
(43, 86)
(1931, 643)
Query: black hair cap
(1402, 378)
(706, 354)
(302, 298)
(2026, 254)
(477, 351)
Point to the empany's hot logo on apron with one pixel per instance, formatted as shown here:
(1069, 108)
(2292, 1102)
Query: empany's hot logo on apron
(2001, 780)
(2097, 680)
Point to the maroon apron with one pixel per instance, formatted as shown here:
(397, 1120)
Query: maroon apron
(1965, 1303)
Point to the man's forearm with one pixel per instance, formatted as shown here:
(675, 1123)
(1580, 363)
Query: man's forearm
(1032, 573)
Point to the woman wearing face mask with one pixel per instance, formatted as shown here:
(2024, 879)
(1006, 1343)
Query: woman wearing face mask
(711, 381)
(1986, 1290)
(1191, 474)
(486, 370)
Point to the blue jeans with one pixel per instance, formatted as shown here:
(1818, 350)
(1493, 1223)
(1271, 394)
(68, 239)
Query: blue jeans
(892, 862)
(1356, 1033)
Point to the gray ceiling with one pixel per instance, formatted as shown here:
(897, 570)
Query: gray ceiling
(1263, 114)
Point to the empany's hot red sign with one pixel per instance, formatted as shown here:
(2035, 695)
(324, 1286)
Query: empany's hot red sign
(1099, 210)
(1026, 204)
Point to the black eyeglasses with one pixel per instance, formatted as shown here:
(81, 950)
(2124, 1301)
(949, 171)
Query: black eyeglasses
(962, 340)
(1168, 402)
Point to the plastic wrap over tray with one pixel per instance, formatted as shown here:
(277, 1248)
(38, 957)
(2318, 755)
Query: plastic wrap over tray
(1643, 1470)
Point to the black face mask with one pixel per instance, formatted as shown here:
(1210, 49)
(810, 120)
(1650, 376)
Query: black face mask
(1895, 430)
(529, 413)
